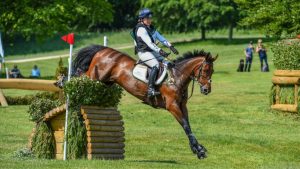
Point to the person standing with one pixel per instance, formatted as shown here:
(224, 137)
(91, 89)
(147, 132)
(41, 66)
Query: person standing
(249, 56)
(262, 53)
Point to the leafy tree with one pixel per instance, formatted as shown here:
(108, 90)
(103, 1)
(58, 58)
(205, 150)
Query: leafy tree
(229, 16)
(45, 18)
(183, 16)
(274, 17)
(125, 15)
(61, 69)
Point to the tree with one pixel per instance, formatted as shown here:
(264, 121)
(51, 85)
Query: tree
(46, 18)
(125, 15)
(229, 15)
(203, 15)
(274, 17)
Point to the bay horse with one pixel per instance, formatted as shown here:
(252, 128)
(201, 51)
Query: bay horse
(111, 66)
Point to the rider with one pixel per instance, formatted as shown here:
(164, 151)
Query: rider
(145, 35)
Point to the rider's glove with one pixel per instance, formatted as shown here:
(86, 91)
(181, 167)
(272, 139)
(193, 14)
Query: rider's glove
(163, 53)
(174, 50)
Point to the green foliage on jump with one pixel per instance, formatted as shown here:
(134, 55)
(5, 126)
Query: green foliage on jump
(43, 145)
(287, 55)
(39, 107)
(273, 17)
(76, 135)
(84, 91)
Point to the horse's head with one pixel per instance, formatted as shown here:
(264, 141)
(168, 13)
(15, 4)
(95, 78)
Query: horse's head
(203, 74)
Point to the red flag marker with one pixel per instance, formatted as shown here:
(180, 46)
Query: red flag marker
(69, 38)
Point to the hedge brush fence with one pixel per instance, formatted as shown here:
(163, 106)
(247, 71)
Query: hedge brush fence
(81, 91)
(285, 91)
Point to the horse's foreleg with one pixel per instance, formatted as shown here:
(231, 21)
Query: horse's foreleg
(180, 113)
(195, 146)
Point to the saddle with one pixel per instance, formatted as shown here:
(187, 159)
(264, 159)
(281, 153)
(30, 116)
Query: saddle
(141, 71)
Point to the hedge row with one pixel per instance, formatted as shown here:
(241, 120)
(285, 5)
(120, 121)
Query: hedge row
(287, 55)
(27, 99)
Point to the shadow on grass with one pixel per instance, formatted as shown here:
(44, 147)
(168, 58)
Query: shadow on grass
(155, 161)
(224, 41)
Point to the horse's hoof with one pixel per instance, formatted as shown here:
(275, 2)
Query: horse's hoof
(201, 148)
(194, 150)
(201, 155)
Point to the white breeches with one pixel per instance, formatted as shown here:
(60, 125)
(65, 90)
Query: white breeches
(151, 58)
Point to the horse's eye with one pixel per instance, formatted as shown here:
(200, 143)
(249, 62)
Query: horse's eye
(209, 81)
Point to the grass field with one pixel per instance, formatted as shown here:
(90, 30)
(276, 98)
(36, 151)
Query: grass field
(234, 123)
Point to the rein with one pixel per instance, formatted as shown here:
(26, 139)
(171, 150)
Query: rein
(194, 79)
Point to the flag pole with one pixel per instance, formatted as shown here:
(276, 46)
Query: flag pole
(2, 57)
(67, 105)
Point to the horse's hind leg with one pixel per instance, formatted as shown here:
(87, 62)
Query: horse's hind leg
(181, 115)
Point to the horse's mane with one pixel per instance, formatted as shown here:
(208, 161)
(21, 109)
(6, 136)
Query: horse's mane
(194, 54)
(84, 57)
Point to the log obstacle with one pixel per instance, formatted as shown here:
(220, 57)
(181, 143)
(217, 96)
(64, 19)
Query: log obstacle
(284, 78)
(27, 84)
(105, 131)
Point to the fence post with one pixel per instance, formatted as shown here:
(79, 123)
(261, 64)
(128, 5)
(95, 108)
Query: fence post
(105, 41)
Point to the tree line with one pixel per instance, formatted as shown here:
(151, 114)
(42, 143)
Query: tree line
(41, 19)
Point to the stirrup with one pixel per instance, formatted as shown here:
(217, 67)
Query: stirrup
(152, 93)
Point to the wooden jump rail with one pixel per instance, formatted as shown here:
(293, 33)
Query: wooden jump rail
(26, 84)
(286, 77)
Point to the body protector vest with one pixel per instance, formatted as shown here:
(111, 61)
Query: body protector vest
(141, 46)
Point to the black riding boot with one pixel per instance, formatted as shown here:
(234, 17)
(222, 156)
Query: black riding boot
(151, 83)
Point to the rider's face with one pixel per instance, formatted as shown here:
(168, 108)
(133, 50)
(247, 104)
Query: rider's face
(147, 21)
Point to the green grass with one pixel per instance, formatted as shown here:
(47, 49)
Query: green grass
(21, 49)
(234, 123)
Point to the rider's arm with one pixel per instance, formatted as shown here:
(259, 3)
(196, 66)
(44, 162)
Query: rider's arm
(162, 39)
(142, 33)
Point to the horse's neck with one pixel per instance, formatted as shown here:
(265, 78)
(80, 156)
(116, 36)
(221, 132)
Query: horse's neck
(184, 71)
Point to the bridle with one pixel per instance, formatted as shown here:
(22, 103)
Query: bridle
(194, 78)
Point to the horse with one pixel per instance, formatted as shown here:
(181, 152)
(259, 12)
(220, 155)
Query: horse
(111, 66)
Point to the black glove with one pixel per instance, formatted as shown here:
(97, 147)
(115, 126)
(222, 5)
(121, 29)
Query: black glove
(163, 53)
(174, 50)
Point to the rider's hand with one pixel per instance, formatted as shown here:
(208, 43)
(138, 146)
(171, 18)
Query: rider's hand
(163, 53)
(175, 51)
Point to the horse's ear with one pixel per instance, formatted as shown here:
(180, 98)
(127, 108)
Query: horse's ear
(215, 58)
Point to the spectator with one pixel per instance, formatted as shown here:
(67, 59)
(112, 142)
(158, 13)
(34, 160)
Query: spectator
(249, 56)
(15, 72)
(262, 53)
(35, 72)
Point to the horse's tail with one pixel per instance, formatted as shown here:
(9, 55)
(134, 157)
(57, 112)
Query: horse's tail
(84, 58)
